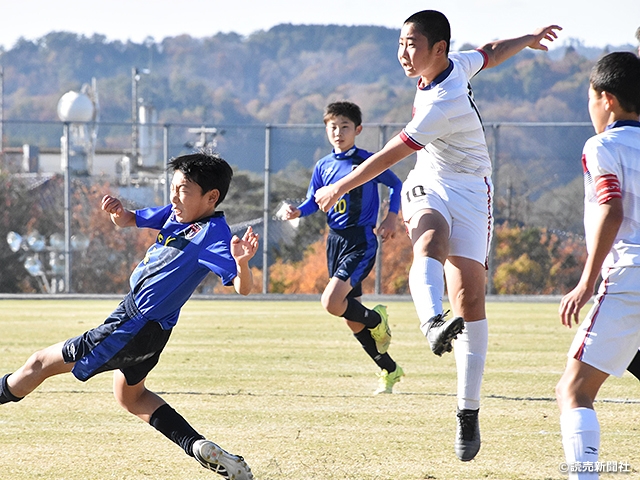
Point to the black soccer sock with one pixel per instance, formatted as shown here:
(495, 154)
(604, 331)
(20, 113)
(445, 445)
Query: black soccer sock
(173, 426)
(383, 360)
(356, 312)
(634, 366)
(5, 395)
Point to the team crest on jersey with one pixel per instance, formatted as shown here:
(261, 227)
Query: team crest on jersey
(192, 231)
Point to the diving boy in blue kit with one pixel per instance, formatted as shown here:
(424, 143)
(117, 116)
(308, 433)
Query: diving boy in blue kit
(193, 240)
(352, 243)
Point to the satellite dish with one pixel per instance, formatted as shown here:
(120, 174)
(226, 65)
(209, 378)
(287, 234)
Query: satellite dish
(75, 107)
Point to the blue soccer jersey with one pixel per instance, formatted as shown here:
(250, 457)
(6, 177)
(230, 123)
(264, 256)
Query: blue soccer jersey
(359, 207)
(181, 257)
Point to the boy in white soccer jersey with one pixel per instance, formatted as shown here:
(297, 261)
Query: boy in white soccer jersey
(447, 198)
(609, 337)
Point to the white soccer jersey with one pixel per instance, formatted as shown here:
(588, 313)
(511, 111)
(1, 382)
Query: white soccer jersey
(611, 163)
(446, 129)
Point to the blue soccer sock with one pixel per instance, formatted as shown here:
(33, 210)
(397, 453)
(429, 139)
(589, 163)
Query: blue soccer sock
(356, 312)
(383, 360)
(5, 395)
(173, 426)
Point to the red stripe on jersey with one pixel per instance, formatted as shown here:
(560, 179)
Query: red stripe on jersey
(607, 187)
(596, 310)
(410, 142)
(485, 56)
(584, 163)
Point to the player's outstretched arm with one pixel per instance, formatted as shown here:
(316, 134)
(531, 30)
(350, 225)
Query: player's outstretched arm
(243, 249)
(394, 151)
(501, 50)
(119, 215)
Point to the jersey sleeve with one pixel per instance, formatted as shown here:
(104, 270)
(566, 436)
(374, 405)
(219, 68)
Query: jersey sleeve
(428, 124)
(470, 61)
(152, 217)
(310, 206)
(217, 257)
(602, 169)
(392, 181)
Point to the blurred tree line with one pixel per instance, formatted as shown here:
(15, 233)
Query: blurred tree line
(287, 75)
(284, 75)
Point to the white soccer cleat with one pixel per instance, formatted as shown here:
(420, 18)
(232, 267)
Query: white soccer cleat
(229, 466)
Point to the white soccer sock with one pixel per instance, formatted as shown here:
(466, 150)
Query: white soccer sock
(581, 439)
(470, 351)
(426, 282)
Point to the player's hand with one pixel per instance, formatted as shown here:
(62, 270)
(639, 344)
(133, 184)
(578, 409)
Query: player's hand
(388, 227)
(112, 205)
(326, 197)
(571, 304)
(288, 212)
(544, 33)
(243, 249)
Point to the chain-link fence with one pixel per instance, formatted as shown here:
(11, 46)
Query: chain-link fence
(54, 175)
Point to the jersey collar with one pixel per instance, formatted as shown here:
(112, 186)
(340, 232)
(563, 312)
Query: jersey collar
(623, 123)
(347, 154)
(438, 80)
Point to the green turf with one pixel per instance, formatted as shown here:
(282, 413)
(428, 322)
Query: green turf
(287, 386)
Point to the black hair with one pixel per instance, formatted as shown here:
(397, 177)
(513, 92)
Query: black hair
(619, 74)
(208, 170)
(433, 25)
(345, 109)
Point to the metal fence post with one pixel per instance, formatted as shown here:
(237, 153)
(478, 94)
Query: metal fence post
(265, 210)
(495, 128)
(67, 210)
(378, 281)
(165, 153)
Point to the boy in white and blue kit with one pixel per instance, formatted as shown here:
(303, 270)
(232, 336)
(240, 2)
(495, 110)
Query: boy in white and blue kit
(447, 198)
(609, 337)
(193, 240)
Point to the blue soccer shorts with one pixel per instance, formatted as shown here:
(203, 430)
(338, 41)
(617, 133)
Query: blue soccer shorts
(126, 341)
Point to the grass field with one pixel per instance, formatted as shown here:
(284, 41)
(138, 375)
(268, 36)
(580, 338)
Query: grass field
(286, 385)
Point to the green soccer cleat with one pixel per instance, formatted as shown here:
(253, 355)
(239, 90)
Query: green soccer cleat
(230, 467)
(387, 380)
(381, 333)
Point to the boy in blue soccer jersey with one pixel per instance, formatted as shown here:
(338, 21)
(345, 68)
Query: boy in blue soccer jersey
(193, 240)
(352, 243)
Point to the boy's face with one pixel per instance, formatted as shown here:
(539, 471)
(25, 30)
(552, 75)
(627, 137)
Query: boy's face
(598, 111)
(189, 204)
(342, 133)
(415, 54)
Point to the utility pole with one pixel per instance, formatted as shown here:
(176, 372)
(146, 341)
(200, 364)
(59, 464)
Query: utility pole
(1, 112)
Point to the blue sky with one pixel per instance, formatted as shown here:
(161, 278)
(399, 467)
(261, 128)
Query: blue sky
(472, 21)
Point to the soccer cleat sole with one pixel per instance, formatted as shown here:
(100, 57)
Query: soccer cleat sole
(213, 457)
(455, 327)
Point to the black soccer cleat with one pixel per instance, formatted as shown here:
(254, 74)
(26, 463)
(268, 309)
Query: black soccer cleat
(467, 435)
(441, 333)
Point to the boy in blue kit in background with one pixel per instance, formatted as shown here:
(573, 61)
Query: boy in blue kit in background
(352, 243)
(193, 240)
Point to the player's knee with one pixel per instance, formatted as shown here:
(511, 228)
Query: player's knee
(35, 364)
(332, 304)
(125, 399)
(471, 302)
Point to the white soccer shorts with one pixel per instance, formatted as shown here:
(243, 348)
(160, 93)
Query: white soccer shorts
(609, 336)
(465, 201)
